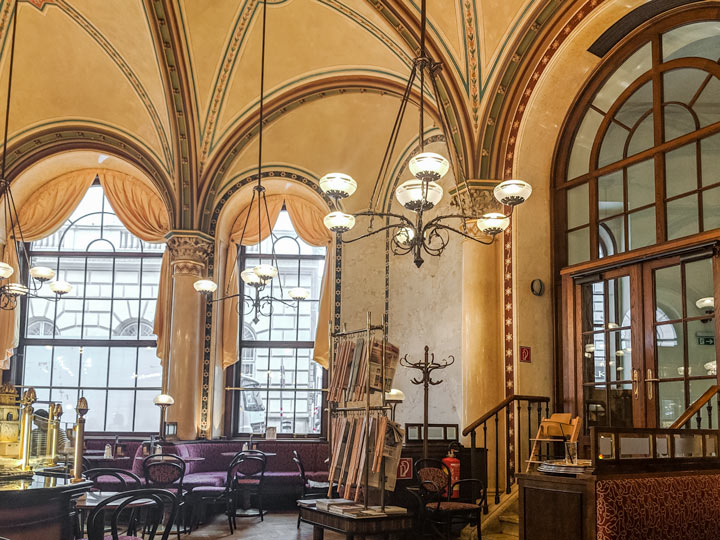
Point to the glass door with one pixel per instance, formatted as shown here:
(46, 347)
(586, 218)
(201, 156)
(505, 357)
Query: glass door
(683, 356)
(608, 345)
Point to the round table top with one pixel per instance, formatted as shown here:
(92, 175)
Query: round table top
(186, 459)
(231, 454)
(93, 452)
(103, 458)
(92, 498)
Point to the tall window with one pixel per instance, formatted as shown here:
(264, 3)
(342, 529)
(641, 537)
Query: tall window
(98, 340)
(282, 383)
(641, 167)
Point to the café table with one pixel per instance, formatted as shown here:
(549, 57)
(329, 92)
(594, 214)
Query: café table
(99, 460)
(88, 501)
(186, 459)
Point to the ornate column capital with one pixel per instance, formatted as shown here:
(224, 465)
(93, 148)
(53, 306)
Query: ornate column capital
(189, 251)
(476, 197)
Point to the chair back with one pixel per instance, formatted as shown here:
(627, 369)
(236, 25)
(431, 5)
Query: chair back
(128, 480)
(432, 475)
(164, 470)
(299, 464)
(250, 467)
(153, 503)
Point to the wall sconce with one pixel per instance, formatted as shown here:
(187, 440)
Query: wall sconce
(163, 401)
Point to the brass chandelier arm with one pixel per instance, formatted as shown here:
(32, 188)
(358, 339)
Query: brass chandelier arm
(404, 222)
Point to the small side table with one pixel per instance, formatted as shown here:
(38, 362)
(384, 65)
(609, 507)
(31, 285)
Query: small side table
(389, 527)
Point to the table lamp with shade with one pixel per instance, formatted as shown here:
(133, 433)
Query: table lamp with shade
(163, 401)
(393, 397)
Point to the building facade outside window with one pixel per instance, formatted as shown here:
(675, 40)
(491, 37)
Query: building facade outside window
(98, 340)
(282, 382)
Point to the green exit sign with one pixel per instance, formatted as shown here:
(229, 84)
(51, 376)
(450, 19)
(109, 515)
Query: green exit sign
(705, 340)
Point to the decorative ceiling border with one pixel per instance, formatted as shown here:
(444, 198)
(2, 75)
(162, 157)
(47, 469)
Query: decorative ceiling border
(322, 88)
(41, 144)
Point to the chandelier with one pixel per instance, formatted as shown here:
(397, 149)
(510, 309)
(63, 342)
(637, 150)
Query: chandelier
(261, 275)
(10, 291)
(417, 234)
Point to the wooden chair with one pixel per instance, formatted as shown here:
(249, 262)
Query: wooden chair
(560, 427)
(127, 479)
(166, 471)
(310, 488)
(227, 495)
(249, 480)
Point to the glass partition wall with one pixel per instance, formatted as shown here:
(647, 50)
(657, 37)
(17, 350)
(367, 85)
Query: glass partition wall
(638, 210)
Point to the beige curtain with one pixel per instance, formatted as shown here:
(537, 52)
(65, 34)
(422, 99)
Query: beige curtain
(143, 212)
(307, 217)
(40, 216)
(137, 206)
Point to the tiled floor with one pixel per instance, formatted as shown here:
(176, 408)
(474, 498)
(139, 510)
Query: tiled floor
(278, 525)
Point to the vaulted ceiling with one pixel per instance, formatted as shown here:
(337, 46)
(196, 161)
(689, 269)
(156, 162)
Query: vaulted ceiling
(172, 86)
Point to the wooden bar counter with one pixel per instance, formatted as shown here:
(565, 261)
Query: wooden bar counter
(38, 507)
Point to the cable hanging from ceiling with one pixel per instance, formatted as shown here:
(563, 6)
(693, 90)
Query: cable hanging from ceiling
(416, 233)
(23, 285)
(261, 275)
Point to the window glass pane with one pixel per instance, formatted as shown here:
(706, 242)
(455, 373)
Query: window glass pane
(681, 85)
(678, 121)
(96, 323)
(681, 170)
(711, 209)
(698, 284)
(582, 144)
(641, 184)
(671, 402)
(707, 106)
(697, 389)
(612, 236)
(621, 414)
(642, 228)
(96, 410)
(643, 137)
(668, 294)
(147, 414)
(38, 362)
(670, 350)
(127, 278)
(66, 366)
(701, 347)
(613, 144)
(620, 364)
(593, 310)
(69, 317)
(122, 366)
(637, 64)
(618, 295)
(710, 150)
(94, 366)
(636, 106)
(577, 206)
(578, 243)
(149, 373)
(611, 194)
(682, 217)
(701, 39)
(120, 410)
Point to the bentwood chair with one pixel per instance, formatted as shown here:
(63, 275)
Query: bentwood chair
(126, 479)
(436, 507)
(249, 482)
(310, 488)
(166, 471)
(154, 503)
(227, 495)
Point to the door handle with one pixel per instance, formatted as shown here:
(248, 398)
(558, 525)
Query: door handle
(635, 383)
(649, 380)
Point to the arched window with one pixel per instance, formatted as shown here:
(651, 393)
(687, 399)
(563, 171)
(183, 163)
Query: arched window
(284, 383)
(98, 340)
(640, 163)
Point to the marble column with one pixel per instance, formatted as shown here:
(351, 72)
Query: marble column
(189, 251)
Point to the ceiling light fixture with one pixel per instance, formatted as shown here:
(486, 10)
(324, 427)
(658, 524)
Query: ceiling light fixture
(21, 286)
(415, 234)
(261, 275)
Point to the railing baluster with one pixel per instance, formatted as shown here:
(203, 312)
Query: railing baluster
(698, 419)
(539, 420)
(508, 440)
(709, 409)
(486, 480)
(497, 462)
(529, 405)
(473, 463)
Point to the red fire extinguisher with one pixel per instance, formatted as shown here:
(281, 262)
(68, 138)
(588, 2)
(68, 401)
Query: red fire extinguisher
(453, 464)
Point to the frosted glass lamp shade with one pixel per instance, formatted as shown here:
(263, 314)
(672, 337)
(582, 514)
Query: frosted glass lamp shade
(512, 192)
(265, 271)
(298, 293)
(338, 185)
(163, 400)
(339, 222)
(416, 194)
(60, 287)
(429, 167)
(16, 289)
(6, 270)
(205, 286)
(493, 223)
(404, 236)
(42, 273)
(707, 303)
(395, 396)
(249, 277)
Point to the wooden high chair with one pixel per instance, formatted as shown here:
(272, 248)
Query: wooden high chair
(560, 427)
